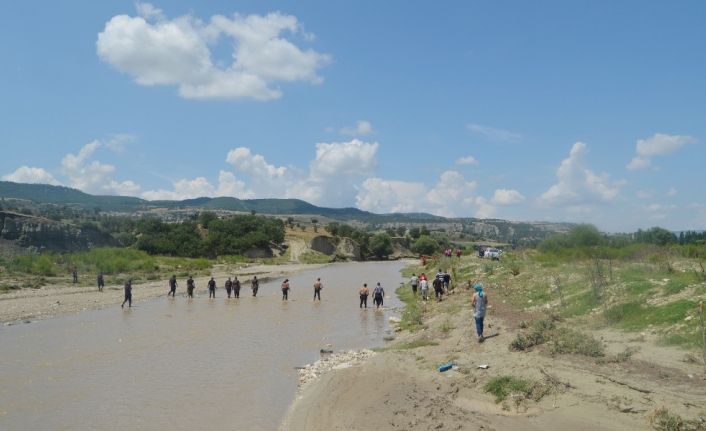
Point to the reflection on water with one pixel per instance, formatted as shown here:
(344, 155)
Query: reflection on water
(178, 364)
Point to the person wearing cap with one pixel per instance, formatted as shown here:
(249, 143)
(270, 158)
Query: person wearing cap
(285, 289)
(479, 303)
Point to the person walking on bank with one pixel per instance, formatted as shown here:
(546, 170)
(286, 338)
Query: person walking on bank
(415, 283)
(128, 295)
(285, 290)
(364, 295)
(229, 286)
(424, 285)
(211, 287)
(438, 289)
(447, 281)
(75, 274)
(479, 303)
(190, 287)
(378, 295)
(101, 285)
(254, 285)
(236, 288)
(172, 286)
(317, 289)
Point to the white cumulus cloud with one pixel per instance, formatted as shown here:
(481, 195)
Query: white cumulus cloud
(25, 174)
(363, 128)
(470, 160)
(577, 184)
(199, 187)
(155, 50)
(507, 197)
(658, 145)
(94, 177)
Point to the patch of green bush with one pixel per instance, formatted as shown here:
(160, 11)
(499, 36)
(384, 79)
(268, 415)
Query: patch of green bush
(560, 340)
(501, 387)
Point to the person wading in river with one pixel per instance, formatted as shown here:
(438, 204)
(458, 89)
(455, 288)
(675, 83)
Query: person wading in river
(172, 286)
(317, 289)
(229, 286)
(479, 303)
(285, 290)
(236, 288)
(212, 287)
(101, 285)
(128, 295)
(364, 295)
(254, 285)
(378, 295)
(190, 287)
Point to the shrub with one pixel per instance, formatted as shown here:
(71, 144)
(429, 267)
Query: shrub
(425, 245)
(561, 340)
(501, 387)
(381, 245)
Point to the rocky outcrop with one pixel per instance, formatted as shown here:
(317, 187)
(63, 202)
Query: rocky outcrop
(338, 246)
(27, 231)
(401, 249)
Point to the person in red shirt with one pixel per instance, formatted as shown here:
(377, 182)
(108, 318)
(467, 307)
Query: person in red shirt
(424, 260)
(459, 253)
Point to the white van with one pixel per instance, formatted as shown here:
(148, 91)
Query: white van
(492, 253)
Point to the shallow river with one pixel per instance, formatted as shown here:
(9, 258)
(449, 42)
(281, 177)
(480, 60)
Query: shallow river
(186, 364)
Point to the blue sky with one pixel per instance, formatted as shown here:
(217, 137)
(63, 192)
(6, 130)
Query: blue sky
(566, 111)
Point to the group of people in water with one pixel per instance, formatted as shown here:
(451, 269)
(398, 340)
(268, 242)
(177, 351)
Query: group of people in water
(233, 286)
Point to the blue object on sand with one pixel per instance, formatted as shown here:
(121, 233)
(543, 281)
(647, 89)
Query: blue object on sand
(446, 367)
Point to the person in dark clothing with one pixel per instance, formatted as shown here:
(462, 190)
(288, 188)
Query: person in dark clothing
(364, 295)
(285, 290)
(101, 285)
(172, 286)
(438, 289)
(254, 285)
(317, 289)
(190, 287)
(211, 288)
(236, 288)
(378, 295)
(229, 286)
(447, 281)
(128, 295)
(75, 274)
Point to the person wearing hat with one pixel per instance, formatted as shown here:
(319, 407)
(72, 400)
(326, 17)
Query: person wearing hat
(479, 303)
(285, 289)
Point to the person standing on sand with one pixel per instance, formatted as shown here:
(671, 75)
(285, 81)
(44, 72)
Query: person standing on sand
(211, 287)
(285, 290)
(479, 303)
(438, 289)
(317, 289)
(128, 295)
(75, 274)
(424, 284)
(364, 295)
(378, 295)
(254, 285)
(190, 287)
(101, 285)
(172, 286)
(415, 282)
(236, 288)
(229, 286)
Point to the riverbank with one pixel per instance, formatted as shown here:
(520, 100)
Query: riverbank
(55, 300)
(633, 383)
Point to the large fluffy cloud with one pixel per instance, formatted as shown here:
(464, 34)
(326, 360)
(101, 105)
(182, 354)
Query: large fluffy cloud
(29, 175)
(228, 185)
(577, 184)
(178, 52)
(94, 177)
(658, 145)
(507, 197)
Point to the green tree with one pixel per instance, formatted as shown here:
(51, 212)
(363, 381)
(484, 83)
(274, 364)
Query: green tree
(415, 233)
(584, 235)
(380, 245)
(425, 245)
(424, 231)
(401, 231)
(206, 217)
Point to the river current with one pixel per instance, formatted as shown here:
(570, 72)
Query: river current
(180, 364)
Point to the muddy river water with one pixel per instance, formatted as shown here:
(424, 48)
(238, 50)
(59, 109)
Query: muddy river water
(180, 364)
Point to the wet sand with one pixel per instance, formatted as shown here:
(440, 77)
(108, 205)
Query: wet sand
(173, 364)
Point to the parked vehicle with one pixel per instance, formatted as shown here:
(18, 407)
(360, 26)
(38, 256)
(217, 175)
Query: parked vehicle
(481, 250)
(492, 253)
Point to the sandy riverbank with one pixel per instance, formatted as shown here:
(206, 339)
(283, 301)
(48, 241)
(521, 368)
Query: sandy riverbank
(401, 389)
(58, 300)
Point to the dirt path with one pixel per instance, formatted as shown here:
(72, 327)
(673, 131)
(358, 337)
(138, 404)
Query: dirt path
(57, 300)
(403, 390)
